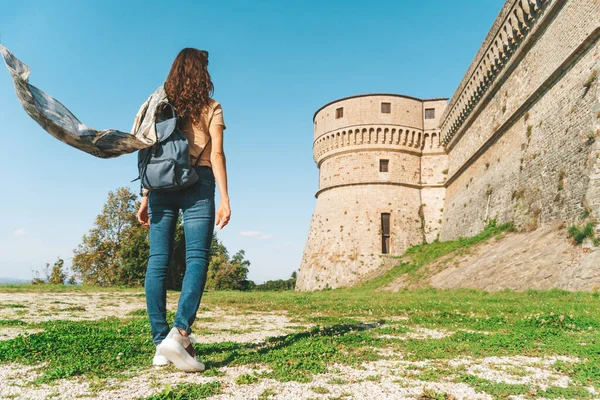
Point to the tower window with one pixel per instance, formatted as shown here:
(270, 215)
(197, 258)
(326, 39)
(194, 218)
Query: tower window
(339, 112)
(385, 233)
(384, 165)
(429, 113)
(386, 108)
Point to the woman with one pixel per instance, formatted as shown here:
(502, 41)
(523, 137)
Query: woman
(200, 118)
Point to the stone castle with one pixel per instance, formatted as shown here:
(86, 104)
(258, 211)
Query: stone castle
(518, 141)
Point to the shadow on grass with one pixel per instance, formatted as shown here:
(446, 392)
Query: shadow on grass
(276, 344)
(110, 347)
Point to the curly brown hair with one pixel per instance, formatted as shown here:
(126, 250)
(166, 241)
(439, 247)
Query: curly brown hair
(188, 85)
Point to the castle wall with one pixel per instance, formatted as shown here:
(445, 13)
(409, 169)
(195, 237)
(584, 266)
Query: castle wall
(363, 166)
(521, 129)
(344, 241)
(434, 169)
(432, 200)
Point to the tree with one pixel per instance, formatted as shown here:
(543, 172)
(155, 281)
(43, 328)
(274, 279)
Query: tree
(225, 272)
(97, 260)
(55, 275)
(279, 284)
(134, 253)
(116, 250)
(36, 277)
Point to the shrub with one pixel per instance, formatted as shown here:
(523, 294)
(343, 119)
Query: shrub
(590, 81)
(579, 234)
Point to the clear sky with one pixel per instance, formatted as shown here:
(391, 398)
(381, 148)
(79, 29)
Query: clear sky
(273, 63)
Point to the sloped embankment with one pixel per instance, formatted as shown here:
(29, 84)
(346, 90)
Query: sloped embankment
(497, 259)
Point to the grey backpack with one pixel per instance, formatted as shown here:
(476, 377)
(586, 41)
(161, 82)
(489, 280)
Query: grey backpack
(165, 166)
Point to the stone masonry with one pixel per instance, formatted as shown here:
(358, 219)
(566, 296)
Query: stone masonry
(521, 130)
(352, 136)
(519, 141)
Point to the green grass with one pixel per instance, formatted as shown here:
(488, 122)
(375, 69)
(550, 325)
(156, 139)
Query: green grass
(421, 255)
(12, 322)
(11, 305)
(188, 391)
(267, 394)
(555, 392)
(580, 234)
(497, 390)
(73, 308)
(348, 328)
(246, 379)
(138, 313)
(591, 79)
(93, 348)
(532, 323)
(319, 389)
(429, 394)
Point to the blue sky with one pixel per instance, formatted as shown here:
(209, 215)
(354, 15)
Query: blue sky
(273, 63)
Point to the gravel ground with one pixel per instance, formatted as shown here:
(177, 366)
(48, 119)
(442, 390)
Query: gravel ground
(383, 379)
(74, 306)
(389, 378)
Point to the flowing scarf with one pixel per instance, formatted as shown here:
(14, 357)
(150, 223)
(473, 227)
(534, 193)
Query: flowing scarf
(57, 120)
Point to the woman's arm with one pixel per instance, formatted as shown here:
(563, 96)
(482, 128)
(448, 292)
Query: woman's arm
(143, 210)
(219, 167)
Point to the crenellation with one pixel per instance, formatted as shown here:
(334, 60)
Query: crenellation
(488, 64)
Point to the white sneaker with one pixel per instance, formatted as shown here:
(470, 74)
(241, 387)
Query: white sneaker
(159, 359)
(179, 350)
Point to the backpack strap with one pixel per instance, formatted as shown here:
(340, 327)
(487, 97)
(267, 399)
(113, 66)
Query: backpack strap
(202, 152)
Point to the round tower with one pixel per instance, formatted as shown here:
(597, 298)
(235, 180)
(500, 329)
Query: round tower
(369, 151)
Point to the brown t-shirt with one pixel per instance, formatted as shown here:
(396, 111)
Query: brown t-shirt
(198, 135)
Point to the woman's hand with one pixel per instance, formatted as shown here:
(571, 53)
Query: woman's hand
(143, 213)
(223, 214)
(217, 160)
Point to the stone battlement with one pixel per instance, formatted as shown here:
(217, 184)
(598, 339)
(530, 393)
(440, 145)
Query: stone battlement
(516, 21)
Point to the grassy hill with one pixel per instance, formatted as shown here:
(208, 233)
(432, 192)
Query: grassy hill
(498, 258)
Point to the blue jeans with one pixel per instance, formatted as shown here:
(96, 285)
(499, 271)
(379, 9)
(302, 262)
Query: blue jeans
(198, 205)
